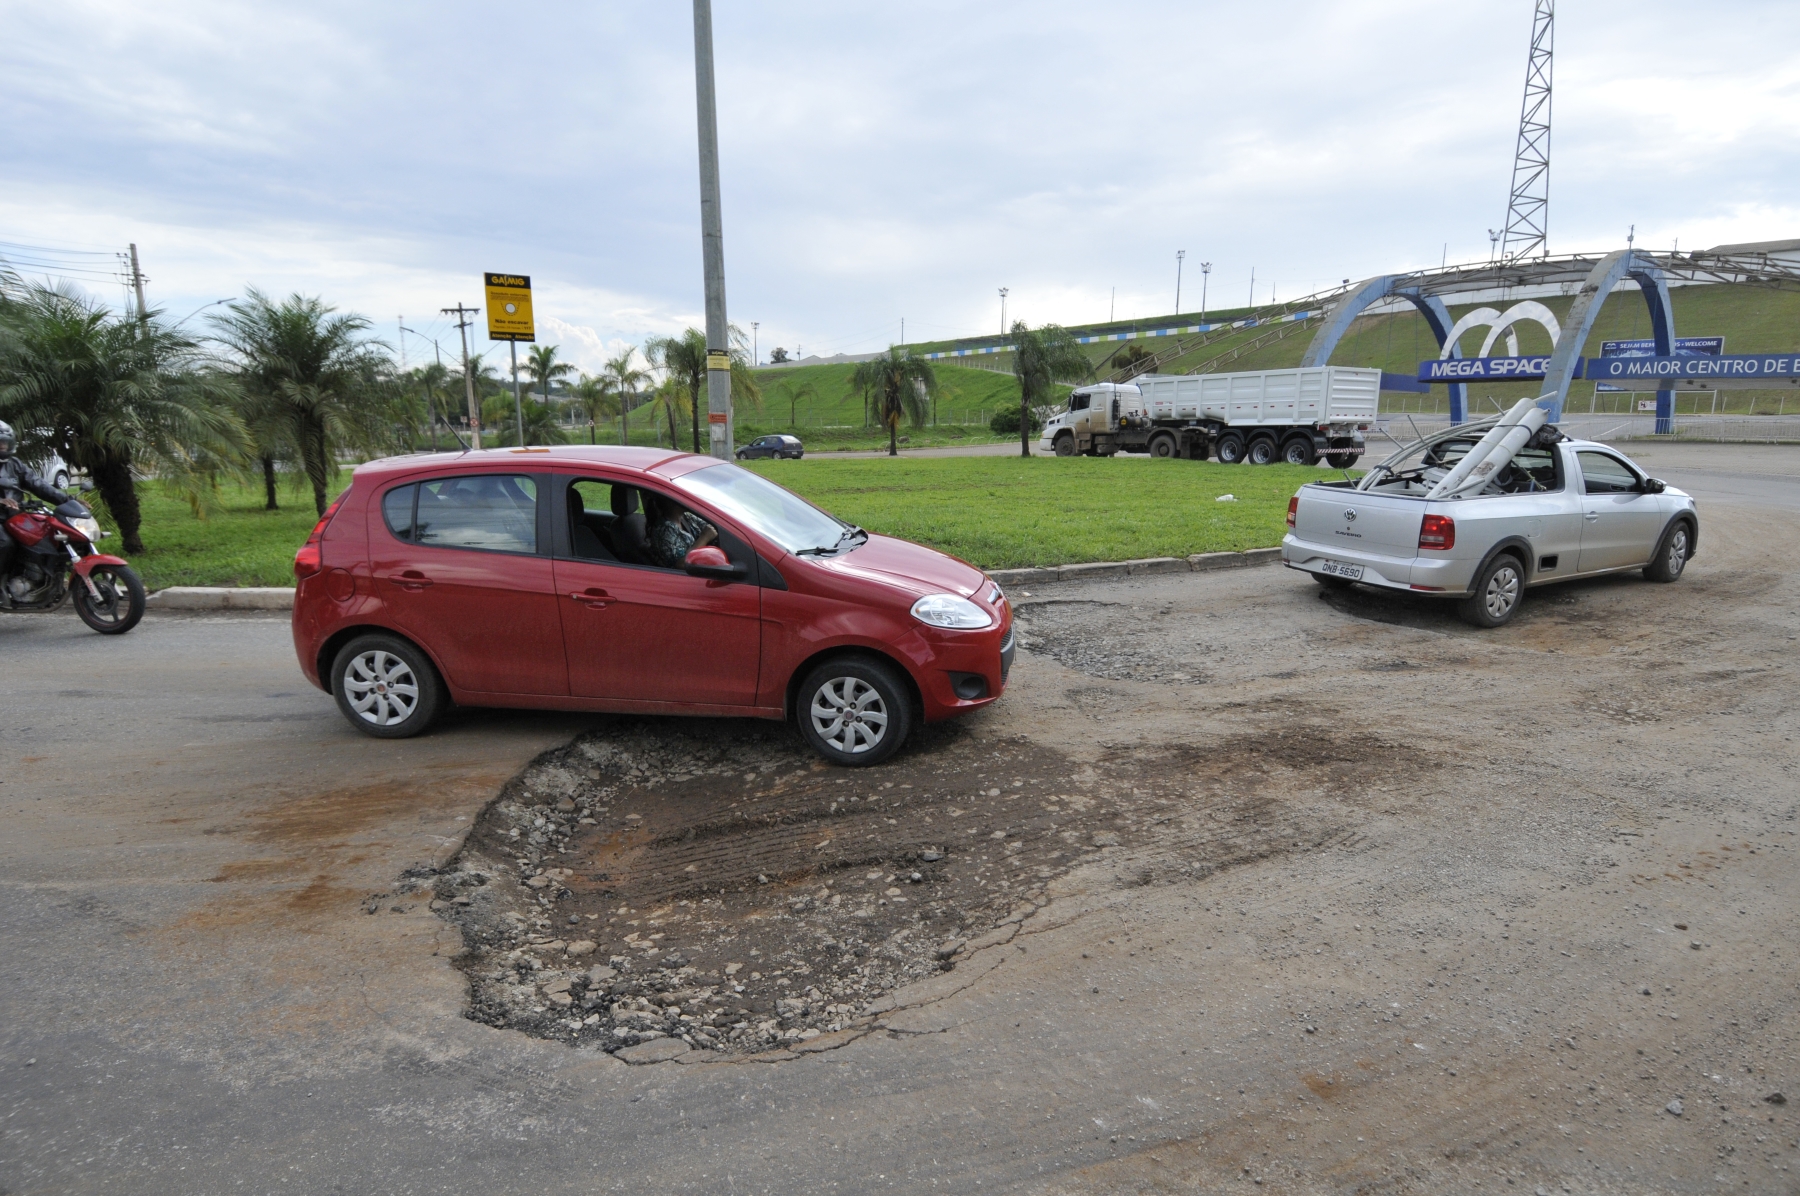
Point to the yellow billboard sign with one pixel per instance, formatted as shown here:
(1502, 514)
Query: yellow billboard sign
(509, 307)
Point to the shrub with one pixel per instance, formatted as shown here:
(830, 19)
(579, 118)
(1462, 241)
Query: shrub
(1006, 422)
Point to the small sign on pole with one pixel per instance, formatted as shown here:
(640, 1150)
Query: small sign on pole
(509, 307)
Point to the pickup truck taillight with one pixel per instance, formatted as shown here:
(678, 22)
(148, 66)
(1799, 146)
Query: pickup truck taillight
(1437, 532)
(1293, 507)
(306, 561)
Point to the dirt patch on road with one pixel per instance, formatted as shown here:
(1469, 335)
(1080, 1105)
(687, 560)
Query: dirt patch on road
(714, 881)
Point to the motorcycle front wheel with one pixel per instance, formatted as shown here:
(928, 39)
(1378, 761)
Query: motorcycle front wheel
(121, 601)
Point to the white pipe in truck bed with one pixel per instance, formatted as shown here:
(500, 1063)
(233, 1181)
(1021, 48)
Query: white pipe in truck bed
(1493, 451)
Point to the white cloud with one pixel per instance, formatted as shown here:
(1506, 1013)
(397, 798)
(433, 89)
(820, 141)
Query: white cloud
(873, 169)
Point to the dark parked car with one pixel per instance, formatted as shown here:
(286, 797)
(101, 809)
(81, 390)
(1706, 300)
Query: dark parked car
(772, 446)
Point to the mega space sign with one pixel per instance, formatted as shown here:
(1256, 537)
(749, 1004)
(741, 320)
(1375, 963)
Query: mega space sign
(1468, 369)
(1742, 371)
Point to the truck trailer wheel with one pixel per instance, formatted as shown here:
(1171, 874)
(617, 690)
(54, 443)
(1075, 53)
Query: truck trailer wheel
(1162, 445)
(1065, 445)
(1231, 449)
(1298, 451)
(1262, 451)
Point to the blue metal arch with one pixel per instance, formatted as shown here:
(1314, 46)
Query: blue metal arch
(1608, 273)
(1371, 291)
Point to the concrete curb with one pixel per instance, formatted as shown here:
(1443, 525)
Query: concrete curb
(1200, 562)
(282, 598)
(222, 598)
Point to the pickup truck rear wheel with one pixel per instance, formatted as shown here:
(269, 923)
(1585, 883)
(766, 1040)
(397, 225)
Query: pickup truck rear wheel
(1065, 445)
(1231, 449)
(1262, 451)
(1672, 554)
(1342, 460)
(1498, 592)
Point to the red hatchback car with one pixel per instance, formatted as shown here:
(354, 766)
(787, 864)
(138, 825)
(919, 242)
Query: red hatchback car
(635, 580)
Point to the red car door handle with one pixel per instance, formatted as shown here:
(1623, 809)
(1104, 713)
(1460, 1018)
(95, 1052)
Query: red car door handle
(596, 599)
(411, 579)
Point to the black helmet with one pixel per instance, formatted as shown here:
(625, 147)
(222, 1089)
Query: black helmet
(7, 440)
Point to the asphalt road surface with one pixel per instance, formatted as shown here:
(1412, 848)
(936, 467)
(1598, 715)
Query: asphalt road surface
(1424, 909)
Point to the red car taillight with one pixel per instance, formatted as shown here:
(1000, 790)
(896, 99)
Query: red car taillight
(1293, 506)
(306, 561)
(1437, 532)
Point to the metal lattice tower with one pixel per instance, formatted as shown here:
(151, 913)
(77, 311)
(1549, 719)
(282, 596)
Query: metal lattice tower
(1528, 208)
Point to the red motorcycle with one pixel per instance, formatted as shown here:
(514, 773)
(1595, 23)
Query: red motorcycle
(57, 544)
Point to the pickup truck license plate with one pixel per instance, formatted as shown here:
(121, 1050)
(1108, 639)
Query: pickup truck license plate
(1338, 569)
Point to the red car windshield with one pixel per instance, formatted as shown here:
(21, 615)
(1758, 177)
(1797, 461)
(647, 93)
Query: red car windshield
(762, 506)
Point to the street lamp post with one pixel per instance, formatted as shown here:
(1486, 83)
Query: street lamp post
(1180, 256)
(755, 346)
(1003, 291)
(1205, 277)
(197, 311)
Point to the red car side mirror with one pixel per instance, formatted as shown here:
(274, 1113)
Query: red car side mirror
(711, 561)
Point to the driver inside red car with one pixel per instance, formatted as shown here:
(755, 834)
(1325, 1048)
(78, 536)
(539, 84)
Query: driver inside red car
(677, 532)
(16, 480)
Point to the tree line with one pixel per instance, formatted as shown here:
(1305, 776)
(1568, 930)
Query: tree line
(266, 387)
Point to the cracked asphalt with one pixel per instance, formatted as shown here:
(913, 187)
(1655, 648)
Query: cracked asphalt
(1384, 903)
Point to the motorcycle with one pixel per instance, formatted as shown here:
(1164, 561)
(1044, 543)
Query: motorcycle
(55, 556)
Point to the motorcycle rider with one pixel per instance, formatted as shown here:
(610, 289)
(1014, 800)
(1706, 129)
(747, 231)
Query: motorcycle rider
(16, 480)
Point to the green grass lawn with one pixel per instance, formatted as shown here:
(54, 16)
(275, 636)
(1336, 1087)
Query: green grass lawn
(237, 544)
(997, 512)
(1007, 512)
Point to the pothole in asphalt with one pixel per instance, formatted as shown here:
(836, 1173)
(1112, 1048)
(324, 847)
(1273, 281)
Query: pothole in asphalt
(713, 881)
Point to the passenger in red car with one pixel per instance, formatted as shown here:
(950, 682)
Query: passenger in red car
(677, 532)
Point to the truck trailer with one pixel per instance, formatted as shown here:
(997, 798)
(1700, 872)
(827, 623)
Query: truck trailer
(1298, 416)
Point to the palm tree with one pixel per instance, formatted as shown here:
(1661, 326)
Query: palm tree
(595, 398)
(670, 401)
(897, 383)
(315, 376)
(625, 379)
(684, 357)
(432, 379)
(543, 368)
(541, 424)
(116, 396)
(796, 391)
(1051, 354)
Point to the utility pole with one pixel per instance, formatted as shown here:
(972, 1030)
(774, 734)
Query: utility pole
(1112, 304)
(1205, 277)
(1253, 288)
(1180, 256)
(462, 315)
(400, 323)
(902, 330)
(1003, 291)
(712, 242)
(137, 282)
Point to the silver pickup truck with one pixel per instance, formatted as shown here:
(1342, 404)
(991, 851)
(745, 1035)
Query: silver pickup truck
(1483, 510)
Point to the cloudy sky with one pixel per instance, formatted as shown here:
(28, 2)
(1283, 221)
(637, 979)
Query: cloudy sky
(880, 162)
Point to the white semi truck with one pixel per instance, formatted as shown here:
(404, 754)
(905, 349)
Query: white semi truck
(1298, 416)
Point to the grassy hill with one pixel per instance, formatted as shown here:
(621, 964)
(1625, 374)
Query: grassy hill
(1751, 319)
(817, 403)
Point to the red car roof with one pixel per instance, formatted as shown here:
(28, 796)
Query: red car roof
(644, 460)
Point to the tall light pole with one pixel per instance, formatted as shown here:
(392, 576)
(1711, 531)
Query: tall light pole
(755, 344)
(1003, 311)
(1205, 277)
(1180, 256)
(712, 240)
(1493, 243)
